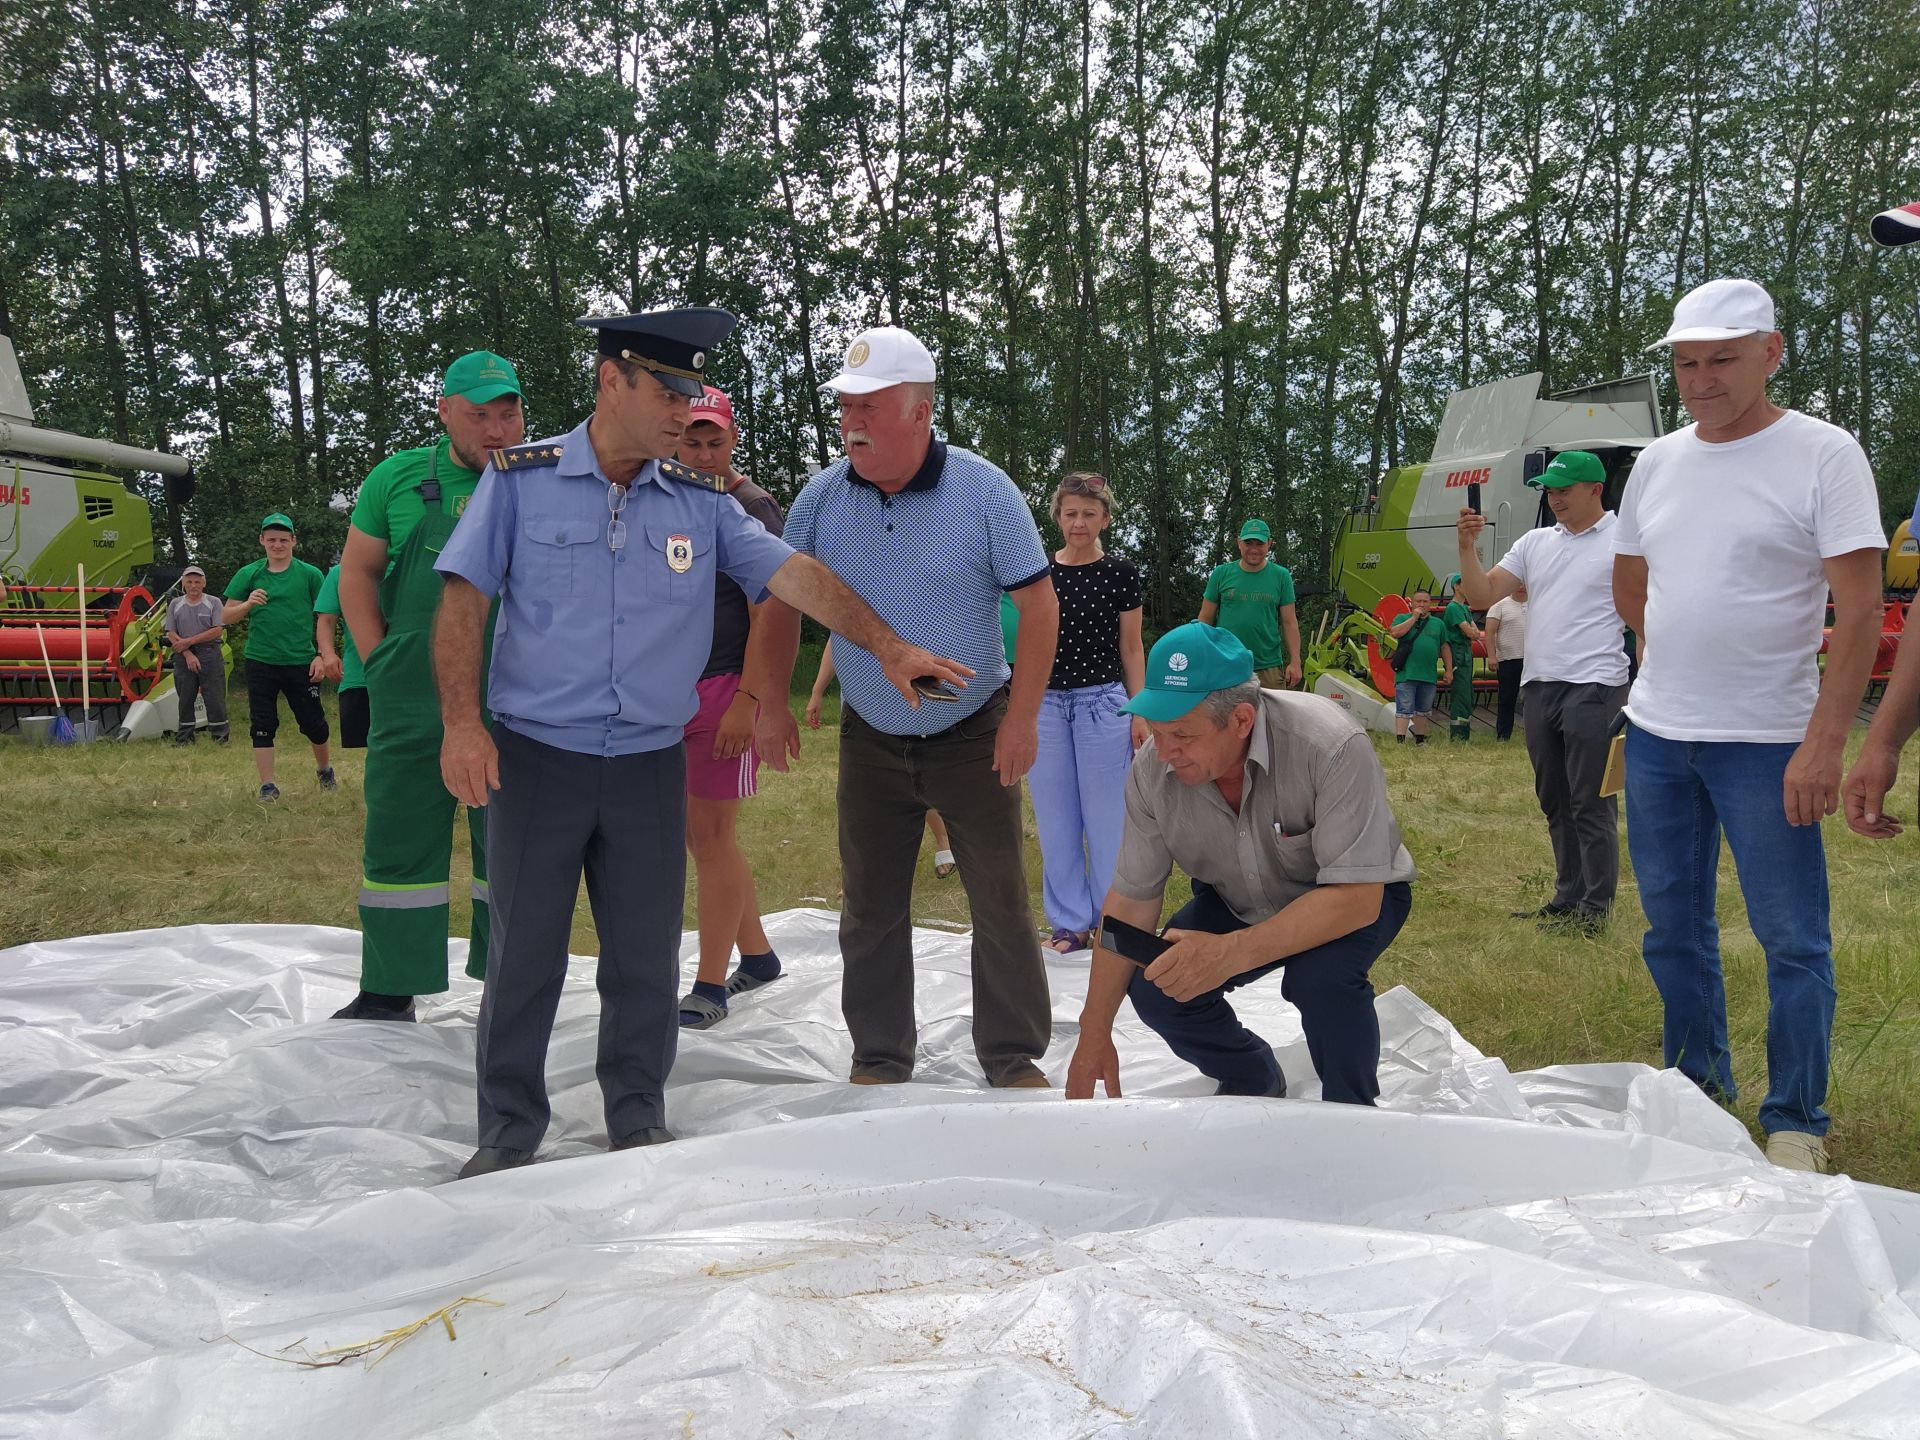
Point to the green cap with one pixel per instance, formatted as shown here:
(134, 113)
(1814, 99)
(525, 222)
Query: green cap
(1572, 467)
(1187, 664)
(1256, 530)
(481, 376)
(277, 521)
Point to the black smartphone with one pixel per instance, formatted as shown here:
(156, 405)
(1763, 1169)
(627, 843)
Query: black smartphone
(928, 687)
(1130, 942)
(1473, 497)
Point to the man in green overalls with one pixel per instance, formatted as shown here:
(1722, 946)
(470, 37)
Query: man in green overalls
(1461, 633)
(389, 592)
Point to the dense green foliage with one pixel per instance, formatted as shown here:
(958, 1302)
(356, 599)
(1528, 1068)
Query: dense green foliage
(1236, 255)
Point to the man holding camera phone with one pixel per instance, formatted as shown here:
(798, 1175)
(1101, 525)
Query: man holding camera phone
(1275, 804)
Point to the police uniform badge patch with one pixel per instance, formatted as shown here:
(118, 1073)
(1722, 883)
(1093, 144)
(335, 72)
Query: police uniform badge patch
(687, 475)
(679, 554)
(520, 456)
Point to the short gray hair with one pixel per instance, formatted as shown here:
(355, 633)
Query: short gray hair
(1222, 703)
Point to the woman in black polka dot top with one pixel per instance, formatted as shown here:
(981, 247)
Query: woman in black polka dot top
(1078, 781)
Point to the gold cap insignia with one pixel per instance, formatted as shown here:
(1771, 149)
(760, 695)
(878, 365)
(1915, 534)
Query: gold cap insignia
(857, 356)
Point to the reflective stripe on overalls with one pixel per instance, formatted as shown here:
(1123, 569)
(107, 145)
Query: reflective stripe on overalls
(408, 851)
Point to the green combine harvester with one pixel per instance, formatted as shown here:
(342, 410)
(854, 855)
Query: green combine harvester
(1400, 537)
(64, 514)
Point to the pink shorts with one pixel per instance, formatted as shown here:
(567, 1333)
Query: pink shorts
(708, 778)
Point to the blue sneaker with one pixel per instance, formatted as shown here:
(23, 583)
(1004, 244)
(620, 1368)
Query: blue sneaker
(327, 782)
(269, 792)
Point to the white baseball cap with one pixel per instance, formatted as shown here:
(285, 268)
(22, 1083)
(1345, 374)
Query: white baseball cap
(1719, 310)
(878, 358)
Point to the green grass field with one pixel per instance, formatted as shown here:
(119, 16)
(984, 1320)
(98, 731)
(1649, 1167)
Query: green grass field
(119, 837)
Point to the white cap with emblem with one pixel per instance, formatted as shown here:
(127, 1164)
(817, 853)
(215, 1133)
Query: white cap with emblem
(882, 357)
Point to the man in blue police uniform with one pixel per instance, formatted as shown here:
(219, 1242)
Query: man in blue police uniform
(603, 555)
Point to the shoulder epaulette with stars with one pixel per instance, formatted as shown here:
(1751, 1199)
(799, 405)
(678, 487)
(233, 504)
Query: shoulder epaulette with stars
(687, 475)
(521, 457)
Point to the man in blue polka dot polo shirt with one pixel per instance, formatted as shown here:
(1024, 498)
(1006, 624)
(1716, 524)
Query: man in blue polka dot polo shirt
(931, 536)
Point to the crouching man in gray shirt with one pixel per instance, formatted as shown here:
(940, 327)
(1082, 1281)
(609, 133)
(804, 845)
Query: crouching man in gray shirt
(1275, 805)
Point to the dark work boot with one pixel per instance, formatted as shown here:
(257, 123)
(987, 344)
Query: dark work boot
(369, 1006)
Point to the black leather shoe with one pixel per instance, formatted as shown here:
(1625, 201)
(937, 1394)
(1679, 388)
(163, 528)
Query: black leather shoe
(1548, 911)
(365, 1006)
(489, 1158)
(1275, 1091)
(652, 1135)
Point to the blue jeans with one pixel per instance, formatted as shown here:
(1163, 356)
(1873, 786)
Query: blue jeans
(1328, 984)
(1680, 796)
(1079, 784)
(1413, 697)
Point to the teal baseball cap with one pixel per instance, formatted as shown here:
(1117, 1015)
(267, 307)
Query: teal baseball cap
(1186, 665)
(1256, 530)
(1571, 467)
(277, 521)
(480, 376)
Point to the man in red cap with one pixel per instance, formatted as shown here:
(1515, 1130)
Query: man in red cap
(743, 716)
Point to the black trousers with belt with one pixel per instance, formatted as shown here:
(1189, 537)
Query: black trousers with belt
(622, 822)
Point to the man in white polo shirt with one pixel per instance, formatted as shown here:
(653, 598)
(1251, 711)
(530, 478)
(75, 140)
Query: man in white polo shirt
(1575, 678)
(1732, 532)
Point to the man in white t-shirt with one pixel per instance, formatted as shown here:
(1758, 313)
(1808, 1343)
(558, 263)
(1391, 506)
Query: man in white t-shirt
(1731, 534)
(1506, 632)
(1575, 677)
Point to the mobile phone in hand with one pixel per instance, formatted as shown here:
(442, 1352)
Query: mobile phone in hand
(1130, 942)
(929, 687)
(1473, 497)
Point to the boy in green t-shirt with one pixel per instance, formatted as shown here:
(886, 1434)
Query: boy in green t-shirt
(1252, 597)
(275, 596)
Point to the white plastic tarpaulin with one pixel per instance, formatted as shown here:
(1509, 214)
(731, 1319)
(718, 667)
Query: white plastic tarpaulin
(205, 1185)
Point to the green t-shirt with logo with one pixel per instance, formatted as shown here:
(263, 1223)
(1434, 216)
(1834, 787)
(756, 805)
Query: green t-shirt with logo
(389, 504)
(1250, 602)
(279, 632)
(352, 675)
(1456, 615)
(1423, 662)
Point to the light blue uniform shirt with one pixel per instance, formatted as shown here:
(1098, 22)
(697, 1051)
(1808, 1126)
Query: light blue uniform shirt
(933, 560)
(596, 651)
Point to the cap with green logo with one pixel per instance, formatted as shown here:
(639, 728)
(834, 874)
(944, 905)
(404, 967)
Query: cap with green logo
(481, 376)
(1187, 664)
(1571, 467)
(1256, 530)
(277, 521)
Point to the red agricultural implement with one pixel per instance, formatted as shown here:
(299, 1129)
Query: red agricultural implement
(111, 647)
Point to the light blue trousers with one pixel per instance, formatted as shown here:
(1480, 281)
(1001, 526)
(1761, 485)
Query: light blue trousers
(1078, 783)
